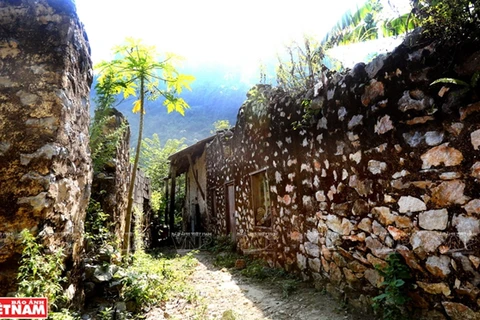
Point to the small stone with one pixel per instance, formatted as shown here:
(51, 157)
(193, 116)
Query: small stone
(296, 236)
(473, 207)
(360, 207)
(320, 196)
(374, 277)
(356, 237)
(349, 276)
(438, 266)
(365, 225)
(383, 214)
(301, 261)
(467, 227)
(314, 264)
(420, 120)
(356, 266)
(397, 234)
(476, 170)
(410, 204)
(376, 167)
(347, 227)
(336, 274)
(240, 264)
(458, 311)
(468, 290)
(377, 248)
(409, 257)
(383, 125)
(471, 108)
(312, 236)
(355, 121)
(326, 253)
(4, 146)
(433, 138)
(372, 91)
(433, 219)
(400, 174)
(403, 222)
(376, 65)
(435, 288)
(357, 157)
(448, 193)
(312, 249)
(428, 241)
(413, 139)
(475, 138)
(339, 259)
(378, 230)
(334, 223)
(475, 261)
(408, 102)
(376, 262)
(441, 154)
(450, 175)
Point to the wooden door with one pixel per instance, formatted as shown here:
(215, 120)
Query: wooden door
(231, 227)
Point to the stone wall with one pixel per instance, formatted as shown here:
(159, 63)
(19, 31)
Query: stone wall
(110, 186)
(389, 163)
(45, 167)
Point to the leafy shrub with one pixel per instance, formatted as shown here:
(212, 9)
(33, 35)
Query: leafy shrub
(222, 244)
(149, 279)
(394, 297)
(449, 20)
(40, 274)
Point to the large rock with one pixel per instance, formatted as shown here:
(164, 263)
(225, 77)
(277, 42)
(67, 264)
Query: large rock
(438, 266)
(435, 288)
(448, 193)
(410, 204)
(441, 154)
(377, 248)
(467, 227)
(458, 311)
(433, 219)
(427, 241)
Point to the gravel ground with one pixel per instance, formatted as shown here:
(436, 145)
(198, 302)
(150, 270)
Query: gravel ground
(222, 295)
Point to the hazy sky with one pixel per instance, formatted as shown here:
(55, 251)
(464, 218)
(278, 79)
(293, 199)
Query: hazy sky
(231, 32)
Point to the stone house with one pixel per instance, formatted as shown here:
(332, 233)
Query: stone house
(380, 161)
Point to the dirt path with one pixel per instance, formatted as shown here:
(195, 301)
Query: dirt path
(222, 295)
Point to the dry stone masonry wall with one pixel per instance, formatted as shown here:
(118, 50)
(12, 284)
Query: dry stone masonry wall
(389, 164)
(45, 166)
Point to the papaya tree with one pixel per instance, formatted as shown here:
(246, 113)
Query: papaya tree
(138, 70)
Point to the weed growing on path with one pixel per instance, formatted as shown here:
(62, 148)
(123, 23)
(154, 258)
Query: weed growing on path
(151, 279)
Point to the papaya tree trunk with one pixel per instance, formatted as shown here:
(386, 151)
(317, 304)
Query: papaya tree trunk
(131, 188)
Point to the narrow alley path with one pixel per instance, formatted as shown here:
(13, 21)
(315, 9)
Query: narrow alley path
(218, 294)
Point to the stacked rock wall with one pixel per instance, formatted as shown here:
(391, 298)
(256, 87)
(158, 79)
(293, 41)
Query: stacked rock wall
(110, 186)
(387, 163)
(45, 166)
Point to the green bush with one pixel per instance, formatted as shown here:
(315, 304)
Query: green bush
(449, 20)
(40, 273)
(395, 286)
(150, 279)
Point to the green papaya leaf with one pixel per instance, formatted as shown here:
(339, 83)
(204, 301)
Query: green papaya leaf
(450, 80)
